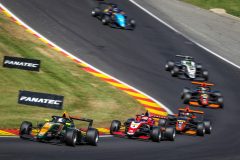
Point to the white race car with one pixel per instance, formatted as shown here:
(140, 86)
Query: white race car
(187, 68)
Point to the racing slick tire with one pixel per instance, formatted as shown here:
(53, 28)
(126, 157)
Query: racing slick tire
(205, 75)
(132, 23)
(200, 129)
(95, 12)
(185, 90)
(220, 101)
(105, 20)
(175, 71)
(162, 122)
(170, 133)
(92, 136)
(71, 137)
(208, 127)
(25, 128)
(156, 134)
(169, 66)
(186, 98)
(115, 126)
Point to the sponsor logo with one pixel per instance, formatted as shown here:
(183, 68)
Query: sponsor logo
(21, 63)
(41, 99)
(25, 64)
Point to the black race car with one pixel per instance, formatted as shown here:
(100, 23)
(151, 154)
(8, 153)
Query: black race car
(187, 68)
(60, 128)
(188, 121)
(202, 96)
(111, 15)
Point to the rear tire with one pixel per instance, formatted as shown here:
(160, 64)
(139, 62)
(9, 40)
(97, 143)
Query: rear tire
(200, 129)
(25, 128)
(92, 136)
(162, 122)
(170, 133)
(115, 126)
(71, 137)
(156, 134)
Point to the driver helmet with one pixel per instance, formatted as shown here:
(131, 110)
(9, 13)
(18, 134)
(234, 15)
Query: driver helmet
(115, 9)
(60, 120)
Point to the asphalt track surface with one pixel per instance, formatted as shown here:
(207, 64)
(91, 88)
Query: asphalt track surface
(137, 58)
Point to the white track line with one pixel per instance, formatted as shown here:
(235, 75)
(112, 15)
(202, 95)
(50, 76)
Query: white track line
(174, 29)
(162, 105)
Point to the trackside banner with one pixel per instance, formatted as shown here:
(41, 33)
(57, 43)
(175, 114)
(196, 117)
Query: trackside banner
(21, 63)
(41, 99)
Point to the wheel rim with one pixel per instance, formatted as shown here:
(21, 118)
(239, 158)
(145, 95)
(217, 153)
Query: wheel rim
(159, 136)
(174, 134)
(96, 139)
(74, 139)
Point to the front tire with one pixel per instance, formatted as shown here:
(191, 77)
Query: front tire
(71, 137)
(25, 128)
(175, 71)
(105, 20)
(186, 98)
(205, 75)
(95, 12)
(92, 136)
(169, 66)
(200, 129)
(115, 126)
(170, 133)
(208, 127)
(156, 134)
(132, 23)
(220, 101)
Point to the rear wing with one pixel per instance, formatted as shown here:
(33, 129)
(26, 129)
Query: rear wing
(90, 121)
(203, 84)
(191, 111)
(186, 57)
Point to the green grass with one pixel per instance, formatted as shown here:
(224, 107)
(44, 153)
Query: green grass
(231, 6)
(85, 95)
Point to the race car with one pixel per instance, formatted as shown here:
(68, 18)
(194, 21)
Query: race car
(188, 121)
(187, 68)
(203, 96)
(111, 15)
(60, 128)
(144, 127)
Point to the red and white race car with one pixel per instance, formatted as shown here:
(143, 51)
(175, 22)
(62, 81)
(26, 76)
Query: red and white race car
(144, 126)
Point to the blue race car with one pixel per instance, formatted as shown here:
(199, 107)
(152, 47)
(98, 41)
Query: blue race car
(111, 15)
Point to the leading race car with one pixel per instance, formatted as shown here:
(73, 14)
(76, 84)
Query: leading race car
(61, 128)
(187, 68)
(188, 121)
(143, 126)
(203, 96)
(111, 15)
